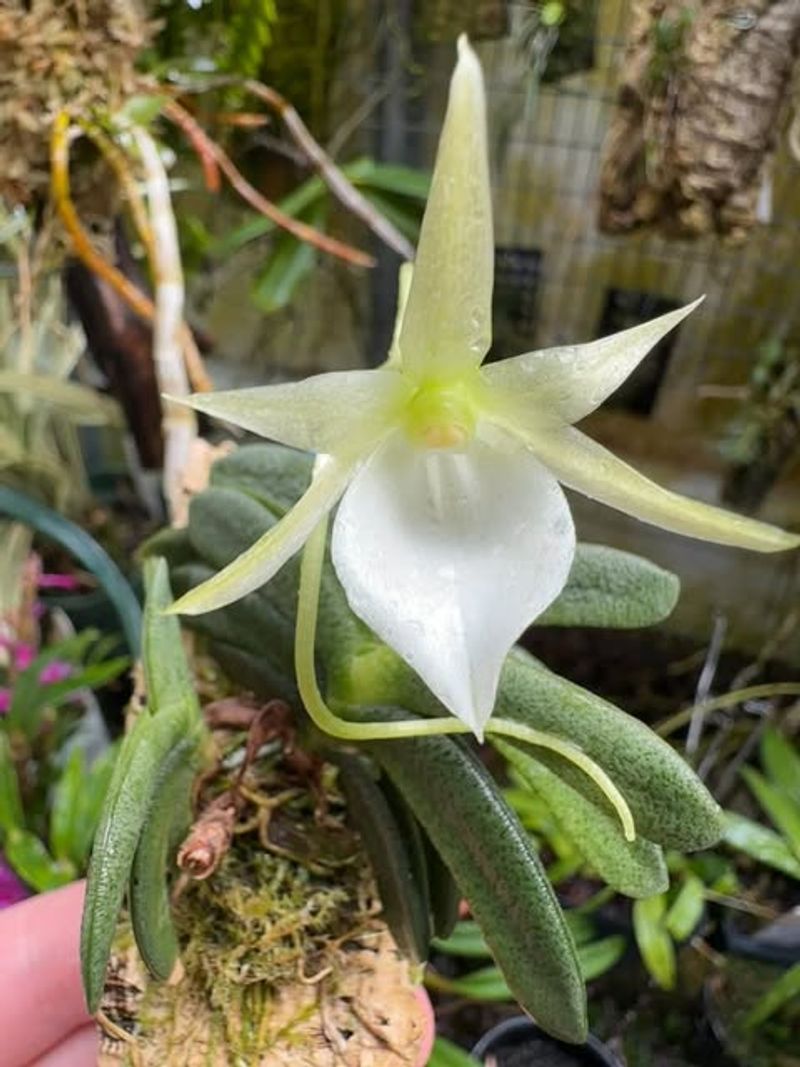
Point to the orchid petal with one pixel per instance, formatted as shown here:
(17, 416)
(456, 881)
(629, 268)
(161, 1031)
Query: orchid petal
(448, 556)
(447, 326)
(582, 464)
(571, 381)
(265, 558)
(326, 413)
(403, 286)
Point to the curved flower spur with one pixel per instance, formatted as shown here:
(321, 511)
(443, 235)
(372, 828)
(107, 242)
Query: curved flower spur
(453, 533)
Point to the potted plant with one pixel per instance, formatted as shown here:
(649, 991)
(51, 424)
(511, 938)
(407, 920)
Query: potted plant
(391, 646)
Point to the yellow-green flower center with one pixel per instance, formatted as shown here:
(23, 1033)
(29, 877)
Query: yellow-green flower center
(442, 414)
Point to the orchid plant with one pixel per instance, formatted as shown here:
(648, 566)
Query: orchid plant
(452, 533)
(451, 536)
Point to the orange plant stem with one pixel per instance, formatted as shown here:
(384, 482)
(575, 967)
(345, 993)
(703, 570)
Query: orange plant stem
(181, 117)
(138, 301)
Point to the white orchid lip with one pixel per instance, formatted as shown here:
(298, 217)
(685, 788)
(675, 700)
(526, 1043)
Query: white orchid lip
(453, 533)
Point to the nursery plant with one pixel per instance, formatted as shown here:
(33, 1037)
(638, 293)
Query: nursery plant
(51, 791)
(392, 641)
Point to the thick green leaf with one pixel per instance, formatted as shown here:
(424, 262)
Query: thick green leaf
(607, 587)
(65, 812)
(443, 892)
(162, 745)
(145, 751)
(251, 624)
(686, 910)
(404, 899)
(491, 858)
(290, 262)
(486, 985)
(760, 844)
(167, 819)
(85, 550)
(95, 787)
(781, 762)
(655, 944)
(784, 990)
(636, 868)
(274, 475)
(168, 680)
(33, 863)
(597, 957)
(780, 808)
(466, 940)
(11, 814)
(446, 1054)
(670, 805)
(174, 545)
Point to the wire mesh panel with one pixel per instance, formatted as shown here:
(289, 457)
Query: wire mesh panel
(559, 279)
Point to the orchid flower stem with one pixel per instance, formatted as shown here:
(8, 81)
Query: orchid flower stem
(331, 723)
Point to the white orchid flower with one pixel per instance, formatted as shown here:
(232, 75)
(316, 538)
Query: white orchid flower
(453, 533)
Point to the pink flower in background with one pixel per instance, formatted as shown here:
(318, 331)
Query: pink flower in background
(54, 672)
(12, 890)
(22, 653)
(67, 582)
(5, 700)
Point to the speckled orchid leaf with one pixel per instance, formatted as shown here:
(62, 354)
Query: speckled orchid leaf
(635, 868)
(607, 587)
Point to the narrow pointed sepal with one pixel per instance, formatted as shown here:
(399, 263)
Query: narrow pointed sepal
(261, 561)
(328, 413)
(571, 381)
(446, 327)
(582, 464)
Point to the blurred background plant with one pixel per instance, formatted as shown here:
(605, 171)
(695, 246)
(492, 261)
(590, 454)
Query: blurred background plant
(55, 759)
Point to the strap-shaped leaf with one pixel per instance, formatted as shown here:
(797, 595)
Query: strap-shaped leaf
(224, 522)
(607, 587)
(161, 746)
(670, 805)
(403, 890)
(167, 676)
(252, 624)
(654, 941)
(781, 761)
(443, 893)
(274, 475)
(635, 868)
(11, 813)
(168, 817)
(146, 751)
(781, 809)
(492, 859)
(761, 844)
